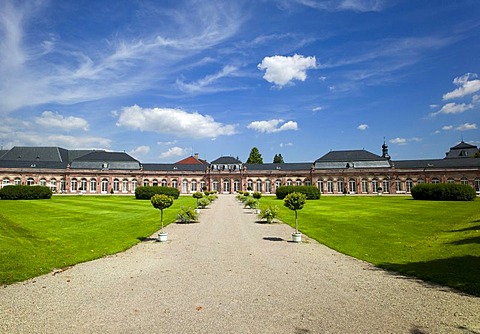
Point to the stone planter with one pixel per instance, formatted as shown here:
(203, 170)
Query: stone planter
(163, 237)
(297, 237)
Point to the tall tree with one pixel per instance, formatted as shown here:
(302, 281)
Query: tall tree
(278, 159)
(255, 157)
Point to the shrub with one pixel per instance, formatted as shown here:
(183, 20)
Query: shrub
(25, 192)
(257, 195)
(212, 197)
(443, 192)
(146, 192)
(269, 213)
(239, 197)
(310, 192)
(251, 203)
(203, 202)
(187, 215)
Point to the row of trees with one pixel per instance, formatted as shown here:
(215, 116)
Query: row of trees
(256, 158)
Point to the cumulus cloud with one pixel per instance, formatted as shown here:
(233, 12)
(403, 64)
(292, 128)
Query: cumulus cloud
(140, 150)
(466, 127)
(362, 127)
(453, 108)
(447, 127)
(173, 121)
(467, 84)
(50, 119)
(174, 152)
(281, 70)
(272, 126)
(404, 141)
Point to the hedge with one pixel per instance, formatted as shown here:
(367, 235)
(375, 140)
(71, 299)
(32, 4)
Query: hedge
(25, 192)
(146, 192)
(443, 192)
(311, 192)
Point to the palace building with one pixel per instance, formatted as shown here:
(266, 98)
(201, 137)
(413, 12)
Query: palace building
(337, 172)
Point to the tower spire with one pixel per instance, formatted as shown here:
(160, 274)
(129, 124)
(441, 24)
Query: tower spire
(385, 150)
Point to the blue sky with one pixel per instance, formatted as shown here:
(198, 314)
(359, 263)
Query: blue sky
(162, 80)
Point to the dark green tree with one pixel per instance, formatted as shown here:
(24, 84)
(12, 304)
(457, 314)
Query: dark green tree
(255, 157)
(278, 159)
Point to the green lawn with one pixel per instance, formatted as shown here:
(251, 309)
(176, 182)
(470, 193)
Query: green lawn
(435, 241)
(38, 236)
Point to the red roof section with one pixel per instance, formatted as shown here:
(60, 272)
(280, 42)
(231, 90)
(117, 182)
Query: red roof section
(191, 161)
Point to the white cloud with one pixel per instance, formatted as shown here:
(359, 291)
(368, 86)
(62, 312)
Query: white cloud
(317, 109)
(466, 127)
(453, 108)
(341, 5)
(433, 106)
(206, 84)
(404, 141)
(167, 143)
(140, 150)
(281, 70)
(175, 152)
(362, 127)
(286, 144)
(468, 84)
(51, 119)
(272, 126)
(447, 127)
(173, 121)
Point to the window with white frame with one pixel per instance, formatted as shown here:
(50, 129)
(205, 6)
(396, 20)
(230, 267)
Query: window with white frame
(330, 186)
(451, 180)
(352, 185)
(364, 186)
(289, 182)
(268, 186)
(155, 183)
(298, 182)
(278, 183)
(30, 181)
(17, 181)
(73, 185)
(250, 184)
(477, 184)
(43, 182)
(420, 180)
(63, 186)
(435, 180)
(340, 185)
(5, 181)
(164, 183)
(83, 185)
(308, 182)
(215, 185)
(53, 184)
(93, 185)
(116, 185)
(398, 186)
(184, 186)
(464, 180)
(193, 186)
(175, 183)
(125, 185)
(134, 185)
(259, 185)
(409, 185)
(236, 185)
(146, 182)
(320, 185)
(104, 186)
(202, 185)
(375, 185)
(386, 185)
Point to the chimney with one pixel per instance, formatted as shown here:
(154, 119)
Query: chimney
(196, 156)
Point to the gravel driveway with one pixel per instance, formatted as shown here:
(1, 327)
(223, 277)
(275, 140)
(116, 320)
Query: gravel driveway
(229, 274)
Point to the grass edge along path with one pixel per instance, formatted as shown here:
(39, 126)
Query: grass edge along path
(39, 236)
(434, 241)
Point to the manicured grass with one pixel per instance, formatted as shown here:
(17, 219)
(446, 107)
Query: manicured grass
(435, 241)
(38, 236)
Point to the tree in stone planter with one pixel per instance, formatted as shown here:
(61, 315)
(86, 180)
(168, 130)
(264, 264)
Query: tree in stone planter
(295, 201)
(161, 202)
(197, 195)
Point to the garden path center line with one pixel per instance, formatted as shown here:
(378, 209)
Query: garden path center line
(230, 274)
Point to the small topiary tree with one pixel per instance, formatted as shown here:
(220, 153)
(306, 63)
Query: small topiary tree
(161, 202)
(203, 202)
(197, 196)
(295, 201)
(269, 213)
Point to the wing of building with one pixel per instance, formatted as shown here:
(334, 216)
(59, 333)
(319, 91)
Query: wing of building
(336, 172)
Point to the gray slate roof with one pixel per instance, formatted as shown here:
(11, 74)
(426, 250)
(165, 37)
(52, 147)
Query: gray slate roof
(351, 159)
(226, 161)
(106, 160)
(281, 166)
(175, 167)
(461, 150)
(438, 163)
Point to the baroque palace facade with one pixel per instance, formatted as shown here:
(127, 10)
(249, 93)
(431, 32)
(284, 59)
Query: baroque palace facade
(337, 172)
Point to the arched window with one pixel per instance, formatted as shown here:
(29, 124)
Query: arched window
(435, 180)
(330, 186)
(308, 182)
(386, 185)
(340, 186)
(164, 183)
(5, 181)
(409, 185)
(236, 185)
(104, 186)
(53, 184)
(259, 185)
(155, 182)
(298, 182)
(43, 182)
(184, 186)
(73, 185)
(124, 185)
(93, 185)
(352, 186)
(215, 185)
(278, 183)
(398, 186)
(249, 185)
(193, 185)
(320, 185)
(420, 180)
(289, 182)
(134, 185)
(175, 183)
(63, 185)
(375, 185)
(17, 181)
(464, 180)
(364, 186)
(268, 186)
(477, 184)
(83, 184)
(146, 182)
(202, 185)
(116, 185)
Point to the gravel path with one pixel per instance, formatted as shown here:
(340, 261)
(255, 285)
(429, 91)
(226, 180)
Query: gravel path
(229, 274)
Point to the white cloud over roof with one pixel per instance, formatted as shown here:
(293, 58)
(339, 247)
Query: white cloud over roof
(272, 126)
